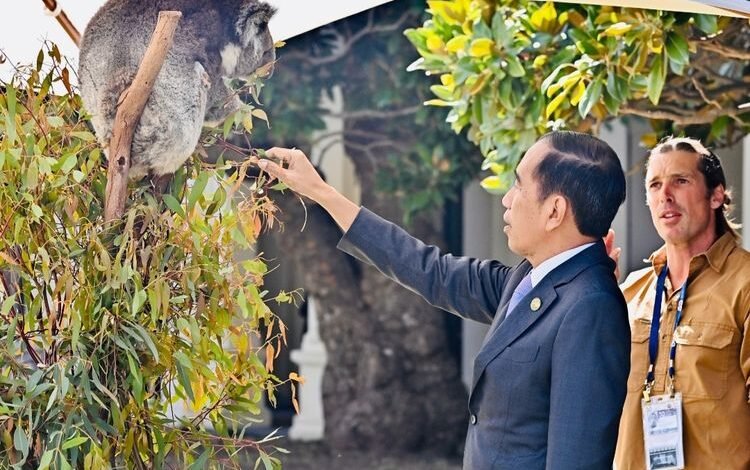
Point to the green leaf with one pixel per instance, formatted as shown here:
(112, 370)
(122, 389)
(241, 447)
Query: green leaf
(139, 299)
(46, 459)
(66, 163)
(174, 205)
(21, 441)
(500, 31)
(184, 378)
(656, 79)
(590, 97)
(677, 49)
(7, 305)
(201, 461)
(197, 191)
(10, 118)
(515, 69)
(74, 442)
(706, 23)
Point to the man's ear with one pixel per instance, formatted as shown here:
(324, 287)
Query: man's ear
(717, 197)
(556, 208)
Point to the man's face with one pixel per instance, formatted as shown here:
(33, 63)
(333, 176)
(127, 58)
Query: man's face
(681, 208)
(525, 223)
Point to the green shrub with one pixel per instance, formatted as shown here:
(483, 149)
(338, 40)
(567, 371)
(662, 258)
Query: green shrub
(104, 328)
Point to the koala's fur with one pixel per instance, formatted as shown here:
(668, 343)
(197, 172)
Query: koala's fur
(214, 39)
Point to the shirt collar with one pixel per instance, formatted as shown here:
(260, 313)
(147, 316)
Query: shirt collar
(715, 256)
(546, 267)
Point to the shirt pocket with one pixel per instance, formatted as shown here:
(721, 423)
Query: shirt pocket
(639, 360)
(702, 359)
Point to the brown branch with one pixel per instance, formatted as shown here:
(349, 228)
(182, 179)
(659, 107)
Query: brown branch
(705, 115)
(64, 21)
(343, 49)
(723, 50)
(129, 110)
(703, 94)
(373, 114)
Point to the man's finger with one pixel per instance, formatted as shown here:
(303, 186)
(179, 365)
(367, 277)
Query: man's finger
(281, 154)
(271, 168)
(609, 240)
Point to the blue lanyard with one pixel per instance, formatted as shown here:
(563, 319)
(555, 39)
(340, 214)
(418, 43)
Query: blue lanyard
(653, 342)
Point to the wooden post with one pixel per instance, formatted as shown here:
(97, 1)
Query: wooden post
(129, 110)
(62, 18)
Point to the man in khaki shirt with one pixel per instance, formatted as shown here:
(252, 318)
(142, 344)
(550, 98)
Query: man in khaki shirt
(688, 202)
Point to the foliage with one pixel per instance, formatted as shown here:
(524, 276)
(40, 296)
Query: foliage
(511, 70)
(104, 330)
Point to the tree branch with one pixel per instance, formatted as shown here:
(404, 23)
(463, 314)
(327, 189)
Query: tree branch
(129, 110)
(723, 50)
(64, 21)
(705, 115)
(373, 114)
(344, 48)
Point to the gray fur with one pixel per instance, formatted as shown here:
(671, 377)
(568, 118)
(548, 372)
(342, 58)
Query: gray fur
(214, 39)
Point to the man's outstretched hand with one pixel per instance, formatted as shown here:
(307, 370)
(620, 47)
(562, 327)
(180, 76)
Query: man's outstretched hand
(296, 171)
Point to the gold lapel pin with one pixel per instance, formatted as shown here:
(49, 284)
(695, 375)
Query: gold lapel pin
(536, 304)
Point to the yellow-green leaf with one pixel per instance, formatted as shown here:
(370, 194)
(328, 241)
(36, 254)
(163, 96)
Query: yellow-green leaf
(617, 29)
(577, 93)
(481, 47)
(545, 18)
(554, 104)
(457, 44)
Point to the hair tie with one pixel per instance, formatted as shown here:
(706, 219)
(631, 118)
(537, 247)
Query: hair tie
(56, 12)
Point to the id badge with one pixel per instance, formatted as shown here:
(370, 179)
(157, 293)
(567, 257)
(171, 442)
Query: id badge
(662, 432)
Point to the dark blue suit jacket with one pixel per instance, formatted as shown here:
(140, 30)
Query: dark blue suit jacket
(549, 383)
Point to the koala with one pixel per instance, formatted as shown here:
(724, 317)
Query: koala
(214, 39)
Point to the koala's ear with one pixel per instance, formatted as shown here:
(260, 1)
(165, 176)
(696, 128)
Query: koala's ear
(253, 17)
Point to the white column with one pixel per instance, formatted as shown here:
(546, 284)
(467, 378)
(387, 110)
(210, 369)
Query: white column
(746, 192)
(615, 133)
(309, 424)
(477, 241)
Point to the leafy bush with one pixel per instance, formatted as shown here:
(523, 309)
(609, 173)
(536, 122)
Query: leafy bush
(103, 329)
(511, 70)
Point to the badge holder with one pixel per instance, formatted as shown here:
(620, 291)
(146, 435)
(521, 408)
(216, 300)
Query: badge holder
(662, 429)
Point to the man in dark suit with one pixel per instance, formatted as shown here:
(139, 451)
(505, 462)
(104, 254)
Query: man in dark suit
(550, 379)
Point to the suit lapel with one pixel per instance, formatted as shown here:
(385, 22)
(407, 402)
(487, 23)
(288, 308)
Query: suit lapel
(513, 326)
(506, 330)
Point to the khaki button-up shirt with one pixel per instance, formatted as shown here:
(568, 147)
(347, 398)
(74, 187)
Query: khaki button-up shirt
(712, 362)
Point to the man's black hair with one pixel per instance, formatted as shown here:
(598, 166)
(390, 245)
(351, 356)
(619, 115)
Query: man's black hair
(586, 171)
